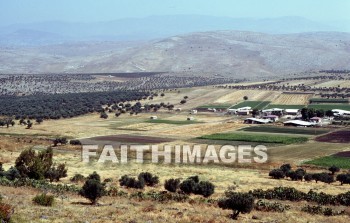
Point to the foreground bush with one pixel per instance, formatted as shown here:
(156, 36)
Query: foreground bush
(77, 178)
(44, 199)
(148, 178)
(6, 212)
(93, 189)
(172, 185)
(194, 186)
(238, 203)
(131, 182)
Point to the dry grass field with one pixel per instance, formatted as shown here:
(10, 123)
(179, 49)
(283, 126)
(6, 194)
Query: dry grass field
(292, 99)
(236, 96)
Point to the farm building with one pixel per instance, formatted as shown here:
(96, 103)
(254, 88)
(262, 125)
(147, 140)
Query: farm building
(339, 112)
(193, 112)
(255, 121)
(243, 112)
(292, 111)
(273, 118)
(153, 117)
(212, 109)
(316, 120)
(298, 123)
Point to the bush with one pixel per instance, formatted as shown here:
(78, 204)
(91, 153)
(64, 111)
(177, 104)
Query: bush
(6, 212)
(188, 186)
(271, 206)
(205, 188)
(75, 142)
(333, 169)
(62, 141)
(44, 199)
(323, 177)
(78, 178)
(93, 189)
(56, 173)
(131, 182)
(172, 185)
(320, 210)
(148, 178)
(286, 168)
(11, 174)
(238, 203)
(308, 177)
(277, 174)
(343, 178)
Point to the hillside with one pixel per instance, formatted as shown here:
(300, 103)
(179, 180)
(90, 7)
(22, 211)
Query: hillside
(232, 53)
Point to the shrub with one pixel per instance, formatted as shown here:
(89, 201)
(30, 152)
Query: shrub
(238, 203)
(78, 178)
(44, 199)
(36, 165)
(343, 178)
(323, 177)
(12, 174)
(271, 206)
(333, 169)
(6, 212)
(93, 189)
(62, 141)
(172, 185)
(75, 142)
(205, 188)
(131, 182)
(55, 173)
(286, 168)
(188, 186)
(148, 178)
(277, 174)
(308, 177)
(320, 210)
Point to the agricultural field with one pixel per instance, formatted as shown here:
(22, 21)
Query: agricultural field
(326, 107)
(286, 130)
(342, 136)
(327, 161)
(329, 100)
(292, 99)
(172, 122)
(253, 104)
(253, 95)
(261, 138)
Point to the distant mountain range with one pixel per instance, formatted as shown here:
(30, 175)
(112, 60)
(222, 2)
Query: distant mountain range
(154, 27)
(229, 53)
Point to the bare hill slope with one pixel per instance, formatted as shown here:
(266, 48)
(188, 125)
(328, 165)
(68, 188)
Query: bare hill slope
(233, 53)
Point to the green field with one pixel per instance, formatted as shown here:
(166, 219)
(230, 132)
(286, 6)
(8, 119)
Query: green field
(253, 104)
(285, 106)
(327, 161)
(173, 122)
(329, 100)
(261, 138)
(288, 130)
(330, 106)
(217, 106)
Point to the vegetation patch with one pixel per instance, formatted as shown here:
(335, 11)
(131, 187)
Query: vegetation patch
(272, 129)
(264, 138)
(341, 162)
(329, 100)
(335, 137)
(330, 106)
(253, 104)
(172, 122)
(216, 106)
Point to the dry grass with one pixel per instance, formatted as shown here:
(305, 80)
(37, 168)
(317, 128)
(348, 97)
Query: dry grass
(292, 99)
(253, 95)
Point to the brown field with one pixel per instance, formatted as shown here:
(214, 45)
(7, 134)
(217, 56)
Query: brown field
(292, 99)
(253, 95)
(335, 137)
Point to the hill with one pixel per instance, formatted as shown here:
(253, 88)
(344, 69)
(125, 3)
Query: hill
(231, 53)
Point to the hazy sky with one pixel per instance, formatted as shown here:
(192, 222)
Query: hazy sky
(24, 11)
